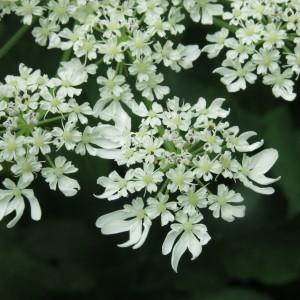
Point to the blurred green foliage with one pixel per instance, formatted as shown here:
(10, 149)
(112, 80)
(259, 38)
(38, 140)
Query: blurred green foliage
(65, 257)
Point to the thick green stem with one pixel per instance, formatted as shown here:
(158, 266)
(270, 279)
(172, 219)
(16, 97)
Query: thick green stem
(14, 39)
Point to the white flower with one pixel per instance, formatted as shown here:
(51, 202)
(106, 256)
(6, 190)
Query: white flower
(266, 60)
(103, 141)
(26, 167)
(138, 44)
(250, 32)
(79, 112)
(151, 87)
(43, 32)
(203, 10)
(53, 103)
(255, 168)
(240, 142)
(109, 107)
(180, 179)
(60, 10)
(56, 177)
(293, 60)
(188, 54)
(27, 9)
(274, 36)
(142, 68)
(147, 178)
(116, 186)
(213, 111)
(235, 75)
(238, 50)
(218, 40)
(153, 115)
(112, 50)
(11, 146)
(193, 236)
(40, 141)
(282, 86)
(70, 75)
(68, 136)
(12, 199)
(131, 218)
(193, 200)
(205, 167)
(229, 166)
(160, 206)
(86, 46)
(220, 204)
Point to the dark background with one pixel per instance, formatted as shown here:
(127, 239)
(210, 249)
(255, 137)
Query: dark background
(64, 256)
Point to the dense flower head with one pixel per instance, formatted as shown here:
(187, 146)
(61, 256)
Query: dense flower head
(184, 158)
(181, 161)
(131, 38)
(39, 118)
(261, 39)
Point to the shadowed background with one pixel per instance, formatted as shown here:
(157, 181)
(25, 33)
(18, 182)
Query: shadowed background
(64, 256)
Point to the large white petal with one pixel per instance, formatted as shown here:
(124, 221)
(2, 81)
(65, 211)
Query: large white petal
(36, 212)
(257, 189)
(169, 242)
(19, 207)
(178, 250)
(263, 161)
(111, 217)
(109, 154)
(135, 233)
(68, 186)
(117, 226)
(194, 246)
(147, 226)
(263, 180)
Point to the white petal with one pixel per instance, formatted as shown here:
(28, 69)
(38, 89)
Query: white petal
(169, 242)
(257, 189)
(68, 186)
(263, 161)
(19, 208)
(194, 246)
(135, 233)
(147, 226)
(178, 250)
(111, 217)
(117, 226)
(36, 212)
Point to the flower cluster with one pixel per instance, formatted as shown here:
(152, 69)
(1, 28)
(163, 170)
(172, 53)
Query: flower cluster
(181, 161)
(261, 39)
(39, 117)
(130, 37)
(184, 158)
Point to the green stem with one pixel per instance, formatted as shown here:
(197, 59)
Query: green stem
(204, 185)
(119, 68)
(14, 39)
(47, 121)
(286, 49)
(163, 187)
(98, 62)
(220, 23)
(50, 161)
(66, 55)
